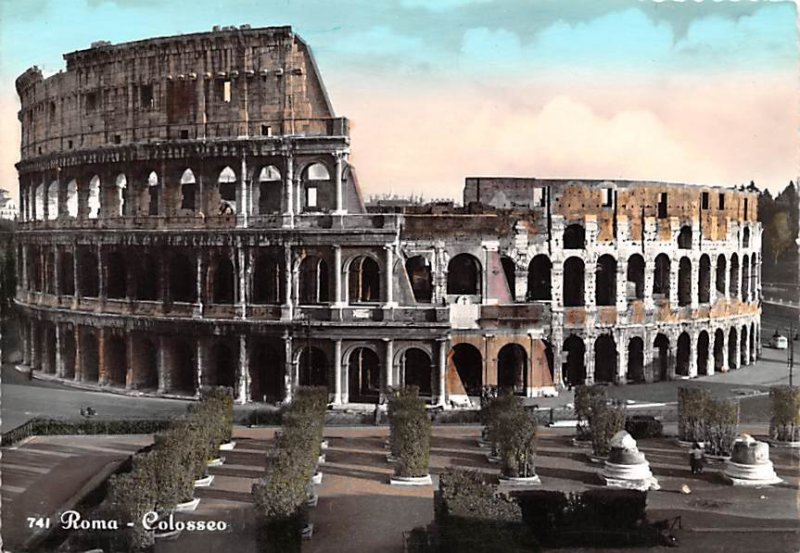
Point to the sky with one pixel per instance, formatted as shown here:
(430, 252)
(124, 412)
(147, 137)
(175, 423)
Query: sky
(439, 90)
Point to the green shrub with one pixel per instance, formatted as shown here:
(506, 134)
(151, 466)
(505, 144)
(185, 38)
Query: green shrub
(129, 498)
(643, 426)
(720, 424)
(691, 410)
(516, 435)
(412, 441)
(784, 425)
(586, 397)
(605, 421)
(47, 427)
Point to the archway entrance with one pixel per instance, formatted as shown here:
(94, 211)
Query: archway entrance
(266, 373)
(719, 349)
(313, 367)
(469, 365)
(661, 361)
(605, 359)
(417, 370)
(512, 368)
(702, 353)
(635, 360)
(363, 376)
(684, 354)
(574, 369)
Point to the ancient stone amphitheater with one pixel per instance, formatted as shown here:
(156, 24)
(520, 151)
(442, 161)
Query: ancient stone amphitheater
(190, 217)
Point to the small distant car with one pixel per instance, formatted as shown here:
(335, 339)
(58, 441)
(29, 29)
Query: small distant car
(779, 342)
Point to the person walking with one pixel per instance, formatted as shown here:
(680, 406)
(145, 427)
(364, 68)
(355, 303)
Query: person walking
(696, 458)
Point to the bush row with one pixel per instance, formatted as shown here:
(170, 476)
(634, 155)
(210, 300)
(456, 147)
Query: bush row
(784, 425)
(164, 476)
(409, 432)
(701, 418)
(598, 418)
(281, 495)
(512, 432)
(47, 427)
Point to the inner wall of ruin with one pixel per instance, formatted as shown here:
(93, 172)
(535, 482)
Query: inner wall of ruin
(190, 218)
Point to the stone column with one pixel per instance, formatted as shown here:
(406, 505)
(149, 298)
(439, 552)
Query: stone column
(444, 346)
(337, 277)
(78, 376)
(101, 275)
(59, 352)
(557, 340)
(288, 193)
(243, 207)
(130, 360)
(244, 371)
(557, 284)
(199, 283)
(520, 291)
(26, 344)
(24, 261)
(389, 364)
(288, 374)
(163, 369)
(62, 210)
(439, 277)
(588, 358)
(389, 275)
(673, 283)
(725, 367)
(337, 372)
(102, 369)
(34, 345)
(694, 290)
(649, 280)
(57, 272)
(338, 181)
(622, 358)
(288, 280)
(693, 340)
(242, 279)
(590, 283)
(712, 279)
(488, 246)
(622, 279)
(744, 348)
(78, 291)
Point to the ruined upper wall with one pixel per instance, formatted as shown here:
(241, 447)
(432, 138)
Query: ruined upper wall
(226, 83)
(605, 199)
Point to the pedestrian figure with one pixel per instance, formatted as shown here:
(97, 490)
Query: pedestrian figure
(696, 458)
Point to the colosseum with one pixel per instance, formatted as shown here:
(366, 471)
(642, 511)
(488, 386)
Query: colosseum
(190, 217)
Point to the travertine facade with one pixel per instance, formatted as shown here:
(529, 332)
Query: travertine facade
(190, 217)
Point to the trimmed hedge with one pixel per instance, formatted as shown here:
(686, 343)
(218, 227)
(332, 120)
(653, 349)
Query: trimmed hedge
(280, 496)
(604, 421)
(784, 425)
(720, 426)
(514, 432)
(643, 426)
(585, 397)
(691, 413)
(50, 427)
(409, 433)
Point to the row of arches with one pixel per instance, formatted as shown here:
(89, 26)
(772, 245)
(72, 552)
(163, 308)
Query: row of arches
(737, 345)
(575, 237)
(115, 195)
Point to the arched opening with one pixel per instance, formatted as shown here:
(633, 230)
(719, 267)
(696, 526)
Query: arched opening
(464, 275)
(539, 283)
(573, 282)
(746, 238)
(145, 360)
(605, 359)
(661, 358)
(734, 276)
(88, 273)
(316, 191)
(722, 272)
(512, 368)
(754, 292)
(120, 195)
(189, 190)
(363, 376)
(182, 367)
(116, 360)
(469, 365)
(606, 281)
(266, 373)
(635, 360)
(90, 358)
(224, 364)
(313, 280)
(68, 352)
(152, 190)
(313, 367)
(39, 201)
(49, 353)
(363, 280)
(719, 349)
(117, 275)
(417, 370)
(182, 278)
(50, 272)
(635, 278)
(574, 237)
(94, 197)
(223, 281)
(753, 343)
(733, 349)
(745, 278)
(148, 276)
(418, 269)
(684, 355)
(743, 347)
(509, 270)
(702, 353)
(270, 190)
(704, 284)
(685, 238)
(661, 277)
(72, 198)
(267, 281)
(685, 282)
(574, 369)
(52, 200)
(227, 191)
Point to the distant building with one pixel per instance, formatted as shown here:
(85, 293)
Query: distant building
(8, 207)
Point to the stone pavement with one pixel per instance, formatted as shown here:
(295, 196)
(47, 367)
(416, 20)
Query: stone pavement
(47, 474)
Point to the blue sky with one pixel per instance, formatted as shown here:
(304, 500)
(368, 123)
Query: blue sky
(616, 66)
